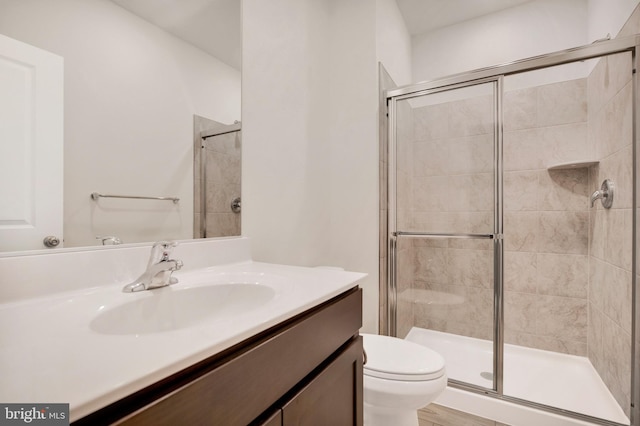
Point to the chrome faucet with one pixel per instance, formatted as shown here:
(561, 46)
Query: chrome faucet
(159, 269)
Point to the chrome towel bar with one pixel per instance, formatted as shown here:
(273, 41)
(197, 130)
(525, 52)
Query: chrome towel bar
(444, 235)
(95, 196)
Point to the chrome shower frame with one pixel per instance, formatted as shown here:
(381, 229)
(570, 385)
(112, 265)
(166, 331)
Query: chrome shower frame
(495, 75)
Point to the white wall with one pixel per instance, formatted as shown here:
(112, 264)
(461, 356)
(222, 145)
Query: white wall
(310, 166)
(534, 28)
(285, 134)
(354, 172)
(131, 90)
(608, 17)
(393, 42)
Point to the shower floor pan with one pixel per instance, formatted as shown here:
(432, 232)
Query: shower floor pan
(558, 380)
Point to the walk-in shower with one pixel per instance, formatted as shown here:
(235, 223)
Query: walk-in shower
(493, 255)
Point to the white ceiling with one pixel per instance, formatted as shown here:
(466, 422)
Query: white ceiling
(427, 15)
(211, 25)
(215, 25)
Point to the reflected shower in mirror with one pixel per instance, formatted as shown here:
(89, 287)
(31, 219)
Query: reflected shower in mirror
(217, 170)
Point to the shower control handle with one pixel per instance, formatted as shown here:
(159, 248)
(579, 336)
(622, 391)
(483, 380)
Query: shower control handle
(236, 205)
(604, 194)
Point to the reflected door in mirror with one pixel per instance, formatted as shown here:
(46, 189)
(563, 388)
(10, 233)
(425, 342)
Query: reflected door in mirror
(31, 145)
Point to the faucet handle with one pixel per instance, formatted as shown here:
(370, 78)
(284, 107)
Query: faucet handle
(165, 244)
(160, 251)
(111, 239)
(605, 194)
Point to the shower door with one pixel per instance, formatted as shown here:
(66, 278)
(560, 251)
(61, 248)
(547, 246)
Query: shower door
(445, 226)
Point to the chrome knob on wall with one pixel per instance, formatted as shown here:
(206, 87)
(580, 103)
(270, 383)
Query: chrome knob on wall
(235, 205)
(604, 194)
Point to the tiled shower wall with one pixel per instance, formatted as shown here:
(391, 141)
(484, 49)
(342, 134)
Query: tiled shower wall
(610, 138)
(567, 267)
(546, 217)
(223, 156)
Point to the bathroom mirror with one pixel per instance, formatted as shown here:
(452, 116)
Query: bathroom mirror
(134, 74)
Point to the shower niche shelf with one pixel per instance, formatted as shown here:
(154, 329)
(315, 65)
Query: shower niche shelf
(573, 165)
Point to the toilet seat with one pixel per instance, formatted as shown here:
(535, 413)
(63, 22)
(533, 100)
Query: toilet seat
(396, 359)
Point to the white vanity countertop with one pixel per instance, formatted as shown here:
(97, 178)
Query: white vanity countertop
(50, 352)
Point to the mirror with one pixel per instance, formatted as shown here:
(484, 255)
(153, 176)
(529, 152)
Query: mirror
(136, 74)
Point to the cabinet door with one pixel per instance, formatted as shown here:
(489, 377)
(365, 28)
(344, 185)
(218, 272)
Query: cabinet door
(334, 396)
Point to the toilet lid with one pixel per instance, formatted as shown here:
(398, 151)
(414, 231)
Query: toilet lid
(397, 359)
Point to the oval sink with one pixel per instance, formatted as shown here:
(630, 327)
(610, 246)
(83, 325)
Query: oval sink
(173, 308)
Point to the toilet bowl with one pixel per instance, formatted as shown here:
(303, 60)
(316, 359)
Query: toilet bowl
(400, 377)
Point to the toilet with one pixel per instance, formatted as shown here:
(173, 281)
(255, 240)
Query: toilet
(400, 377)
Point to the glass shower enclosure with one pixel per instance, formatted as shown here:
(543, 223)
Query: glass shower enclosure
(500, 252)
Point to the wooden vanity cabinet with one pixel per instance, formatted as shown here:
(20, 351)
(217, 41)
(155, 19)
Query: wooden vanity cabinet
(329, 398)
(304, 371)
